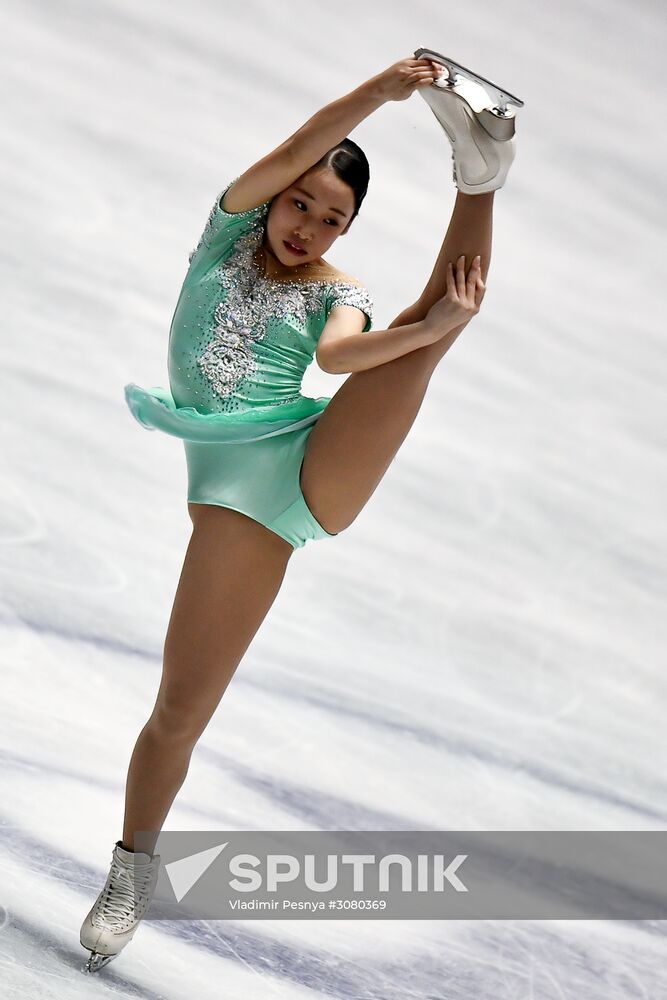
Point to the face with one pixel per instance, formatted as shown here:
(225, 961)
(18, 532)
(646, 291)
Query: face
(312, 213)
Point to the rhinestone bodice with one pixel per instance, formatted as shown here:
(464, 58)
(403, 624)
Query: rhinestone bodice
(238, 339)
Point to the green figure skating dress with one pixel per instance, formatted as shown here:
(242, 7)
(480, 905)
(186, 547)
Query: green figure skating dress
(239, 344)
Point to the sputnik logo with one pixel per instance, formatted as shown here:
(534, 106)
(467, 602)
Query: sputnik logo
(185, 872)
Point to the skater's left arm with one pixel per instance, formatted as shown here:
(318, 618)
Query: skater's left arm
(280, 168)
(413, 314)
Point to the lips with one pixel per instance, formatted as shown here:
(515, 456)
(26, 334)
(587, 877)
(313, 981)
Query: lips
(294, 248)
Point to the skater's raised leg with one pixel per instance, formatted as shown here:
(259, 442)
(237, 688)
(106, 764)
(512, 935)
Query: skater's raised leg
(356, 438)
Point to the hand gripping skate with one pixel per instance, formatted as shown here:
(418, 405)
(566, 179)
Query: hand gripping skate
(478, 118)
(124, 900)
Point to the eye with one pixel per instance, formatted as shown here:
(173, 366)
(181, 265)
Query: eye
(297, 203)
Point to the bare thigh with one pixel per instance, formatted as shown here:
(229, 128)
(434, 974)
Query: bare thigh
(231, 575)
(357, 437)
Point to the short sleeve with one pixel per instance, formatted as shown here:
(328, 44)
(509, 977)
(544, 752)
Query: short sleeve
(349, 294)
(223, 229)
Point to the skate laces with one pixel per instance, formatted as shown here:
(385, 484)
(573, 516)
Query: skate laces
(126, 886)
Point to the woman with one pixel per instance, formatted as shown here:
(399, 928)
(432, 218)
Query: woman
(268, 468)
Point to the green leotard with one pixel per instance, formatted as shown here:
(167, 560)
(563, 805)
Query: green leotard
(239, 345)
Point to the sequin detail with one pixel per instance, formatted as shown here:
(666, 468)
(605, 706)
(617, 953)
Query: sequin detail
(352, 295)
(251, 302)
(228, 359)
(218, 211)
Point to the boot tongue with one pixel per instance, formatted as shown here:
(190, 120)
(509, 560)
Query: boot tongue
(132, 857)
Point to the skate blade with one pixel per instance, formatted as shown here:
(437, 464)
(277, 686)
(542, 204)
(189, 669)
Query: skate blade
(475, 99)
(98, 961)
(500, 98)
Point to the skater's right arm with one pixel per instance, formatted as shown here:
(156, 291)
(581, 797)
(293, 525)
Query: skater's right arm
(280, 168)
(342, 349)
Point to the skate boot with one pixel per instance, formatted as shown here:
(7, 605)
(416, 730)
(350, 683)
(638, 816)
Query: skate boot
(114, 918)
(479, 121)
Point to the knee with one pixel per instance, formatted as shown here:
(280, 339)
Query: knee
(176, 720)
(338, 525)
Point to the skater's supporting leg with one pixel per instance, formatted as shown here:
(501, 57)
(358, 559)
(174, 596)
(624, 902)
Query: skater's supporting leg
(232, 573)
(356, 438)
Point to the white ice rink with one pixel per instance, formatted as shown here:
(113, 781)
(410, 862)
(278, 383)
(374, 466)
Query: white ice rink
(484, 648)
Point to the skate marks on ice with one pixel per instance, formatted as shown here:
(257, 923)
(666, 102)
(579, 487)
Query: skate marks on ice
(453, 747)
(94, 247)
(465, 958)
(37, 550)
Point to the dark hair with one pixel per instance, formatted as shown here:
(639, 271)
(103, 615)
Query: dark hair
(348, 161)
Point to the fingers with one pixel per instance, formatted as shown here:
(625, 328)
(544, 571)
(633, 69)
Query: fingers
(474, 273)
(480, 289)
(461, 277)
(454, 279)
(422, 62)
(470, 287)
(424, 71)
(421, 77)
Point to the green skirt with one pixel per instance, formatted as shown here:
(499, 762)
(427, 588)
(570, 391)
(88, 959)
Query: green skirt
(250, 462)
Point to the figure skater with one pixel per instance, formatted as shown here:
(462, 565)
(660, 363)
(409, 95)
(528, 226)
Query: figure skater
(269, 468)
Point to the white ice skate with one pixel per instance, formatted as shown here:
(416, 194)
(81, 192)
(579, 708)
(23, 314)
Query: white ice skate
(114, 917)
(479, 121)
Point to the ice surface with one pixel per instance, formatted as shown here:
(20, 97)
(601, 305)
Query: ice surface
(484, 648)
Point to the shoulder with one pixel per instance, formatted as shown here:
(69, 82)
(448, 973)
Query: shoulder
(346, 290)
(223, 228)
(334, 274)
